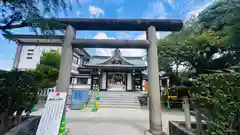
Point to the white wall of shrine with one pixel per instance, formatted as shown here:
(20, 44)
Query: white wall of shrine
(103, 80)
(129, 81)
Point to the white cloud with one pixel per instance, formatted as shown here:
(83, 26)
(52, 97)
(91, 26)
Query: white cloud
(95, 11)
(158, 34)
(102, 35)
(125, 35)
(5, 63)
(155, 10)
(103, 51)
(141, 36)
(133, 52)
(119, 10)
(108, 52)
(78, 13)
(195, 12)
(170, 2)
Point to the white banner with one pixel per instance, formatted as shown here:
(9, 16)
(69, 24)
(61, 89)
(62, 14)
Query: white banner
(52, 115)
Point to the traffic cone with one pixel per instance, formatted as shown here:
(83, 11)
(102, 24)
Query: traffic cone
(97, 97)
(84, 107)
(34, 109)
(62, 126)
(95, 107)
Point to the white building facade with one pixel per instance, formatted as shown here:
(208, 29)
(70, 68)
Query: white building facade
(27, 58)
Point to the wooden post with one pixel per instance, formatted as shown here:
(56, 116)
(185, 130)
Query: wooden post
(187, 112)
(198, 116)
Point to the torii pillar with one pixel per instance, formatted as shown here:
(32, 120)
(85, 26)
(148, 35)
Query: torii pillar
(155, 116)
(66, 61)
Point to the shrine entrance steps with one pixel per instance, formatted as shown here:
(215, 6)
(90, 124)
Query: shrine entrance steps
(116, 99)
(116, 87)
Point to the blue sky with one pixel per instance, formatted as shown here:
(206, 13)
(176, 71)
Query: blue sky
(158, 9)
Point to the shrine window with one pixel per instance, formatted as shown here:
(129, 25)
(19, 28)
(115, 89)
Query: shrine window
(82, 80)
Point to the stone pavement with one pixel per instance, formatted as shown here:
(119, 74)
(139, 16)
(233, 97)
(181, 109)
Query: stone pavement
(116, 121)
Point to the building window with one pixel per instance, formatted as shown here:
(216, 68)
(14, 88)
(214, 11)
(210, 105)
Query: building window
(29, 57)
(80, 62)
(75, 60)
(82, 80)
(71, 80)
(29, 53)
(31, 50)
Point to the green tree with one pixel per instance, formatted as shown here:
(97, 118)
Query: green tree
(18, 93)
(51, 59)
(49, 68)
(219, 96)
(223, 16)
(194, 46)
(22, 13)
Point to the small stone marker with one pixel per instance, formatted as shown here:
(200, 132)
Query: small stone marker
(52, 115)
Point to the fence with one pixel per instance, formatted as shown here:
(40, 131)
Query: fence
(42, 95)
(186, 127)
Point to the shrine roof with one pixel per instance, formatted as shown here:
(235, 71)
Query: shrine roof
(128, 61)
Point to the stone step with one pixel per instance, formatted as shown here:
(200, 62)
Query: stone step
(119, 98)
(126, 97)
(118, 92)
(126, 94)
(114, 103)
(117, 101)
(109, 103)
(115, 106)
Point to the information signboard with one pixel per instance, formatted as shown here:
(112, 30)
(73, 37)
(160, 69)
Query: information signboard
(79, 98)
(54, 108)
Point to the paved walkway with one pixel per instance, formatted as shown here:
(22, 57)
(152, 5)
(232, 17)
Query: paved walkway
(115, 121)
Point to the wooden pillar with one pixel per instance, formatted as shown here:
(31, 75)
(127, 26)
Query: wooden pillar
(106, 80)
(133, 82)
(126, 80)
(141, 84)
(91, 81)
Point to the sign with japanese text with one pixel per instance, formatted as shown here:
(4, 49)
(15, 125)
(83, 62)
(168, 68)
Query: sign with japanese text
(52, 114)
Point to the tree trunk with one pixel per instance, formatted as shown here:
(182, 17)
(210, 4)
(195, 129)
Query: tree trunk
(5, 123)
(18, 117)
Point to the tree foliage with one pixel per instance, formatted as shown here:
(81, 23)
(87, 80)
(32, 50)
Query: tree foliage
(219, 98)
(51, 58)
(205, 43)
(22, 13)
(48, 68)
(18, 93)
(223, 17)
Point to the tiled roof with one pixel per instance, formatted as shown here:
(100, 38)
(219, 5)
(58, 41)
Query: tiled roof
(135, 61)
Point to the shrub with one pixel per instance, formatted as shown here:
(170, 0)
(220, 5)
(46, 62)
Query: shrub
(18, 93)
(219, 98)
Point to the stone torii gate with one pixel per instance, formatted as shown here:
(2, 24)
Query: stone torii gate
(149, 25)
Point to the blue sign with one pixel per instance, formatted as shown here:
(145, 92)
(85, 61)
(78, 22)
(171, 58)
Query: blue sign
(79, 96)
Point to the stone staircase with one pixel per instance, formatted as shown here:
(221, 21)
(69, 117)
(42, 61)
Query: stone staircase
(117, 99)
(116, 87)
